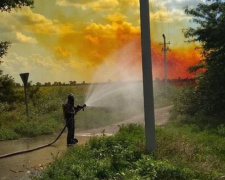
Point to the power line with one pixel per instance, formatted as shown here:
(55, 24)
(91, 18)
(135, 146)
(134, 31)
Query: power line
(168, 26)
(160, 18)
(154, 22)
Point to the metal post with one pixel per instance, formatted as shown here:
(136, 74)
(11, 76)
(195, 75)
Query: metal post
(26, 102)
(24, 77)
(147, 77)
(165, 61)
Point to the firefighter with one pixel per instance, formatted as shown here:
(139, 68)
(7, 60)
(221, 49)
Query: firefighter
(70, 111)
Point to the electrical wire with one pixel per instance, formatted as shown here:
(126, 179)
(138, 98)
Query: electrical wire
(168, 25)
(160, 17)
(154, 22)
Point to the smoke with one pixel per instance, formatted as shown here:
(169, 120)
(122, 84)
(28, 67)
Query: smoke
(117, 83)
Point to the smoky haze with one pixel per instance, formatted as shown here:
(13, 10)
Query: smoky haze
(120, 86)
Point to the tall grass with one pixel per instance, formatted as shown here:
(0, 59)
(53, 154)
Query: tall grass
(45, 112)
(123, 157)
(187, 145)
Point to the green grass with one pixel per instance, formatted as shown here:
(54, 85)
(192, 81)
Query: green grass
(8, 134)
(187, 145)
(45, 113)
(46, 117)
(123, 156)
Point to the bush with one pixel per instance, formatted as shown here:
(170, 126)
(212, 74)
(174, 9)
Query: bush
(186, 102)
(48, 127)
(7, 134)
(117, 157)
(163, 170)
(7, 89)
(221, 130)
(34, 128)
(187, 144)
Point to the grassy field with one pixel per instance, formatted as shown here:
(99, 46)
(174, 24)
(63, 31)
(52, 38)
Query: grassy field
(187, 147)
(46, 117)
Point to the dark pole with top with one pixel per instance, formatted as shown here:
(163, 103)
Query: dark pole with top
(147, 77)
(165, 62)
(24, 77)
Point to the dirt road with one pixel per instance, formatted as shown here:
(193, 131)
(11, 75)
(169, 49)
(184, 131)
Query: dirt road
(21, 166)
(161, 116)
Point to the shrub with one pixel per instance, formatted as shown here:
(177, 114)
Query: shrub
(117, 157)
(221, 130)
(29, 129)
(34, 127)
(7, 89)
(7, 134)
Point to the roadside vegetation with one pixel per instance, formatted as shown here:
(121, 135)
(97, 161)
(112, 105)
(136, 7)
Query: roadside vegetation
(45, 110)
(123, 156)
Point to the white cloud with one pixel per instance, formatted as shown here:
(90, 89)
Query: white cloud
(90, 4)
(26, 19)
(74, 2)
(36, 22)
(41, 68)
(23, 38)
(180, 4)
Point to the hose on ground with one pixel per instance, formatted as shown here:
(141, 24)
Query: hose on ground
(33, 149)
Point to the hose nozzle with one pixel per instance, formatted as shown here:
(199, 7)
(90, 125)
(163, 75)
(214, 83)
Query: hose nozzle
(83, 106)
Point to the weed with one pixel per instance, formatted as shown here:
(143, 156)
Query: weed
(8, 134)
(120, 157)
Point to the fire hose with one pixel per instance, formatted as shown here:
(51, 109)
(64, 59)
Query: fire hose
(33, 149)
(39, 147)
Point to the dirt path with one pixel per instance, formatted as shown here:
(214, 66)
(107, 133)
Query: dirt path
(161, 117)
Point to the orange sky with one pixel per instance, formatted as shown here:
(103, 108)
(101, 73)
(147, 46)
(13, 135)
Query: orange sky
(63, 40)
(178, 60)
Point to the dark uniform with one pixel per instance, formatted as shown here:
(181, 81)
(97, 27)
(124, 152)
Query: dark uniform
(70, 112)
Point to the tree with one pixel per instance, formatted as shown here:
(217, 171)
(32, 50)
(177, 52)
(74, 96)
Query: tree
(3, 48)
(7, 6)
(210, 93)
(7, 83)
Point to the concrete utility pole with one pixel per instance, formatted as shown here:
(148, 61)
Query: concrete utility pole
(147, 77)
(165, 60)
